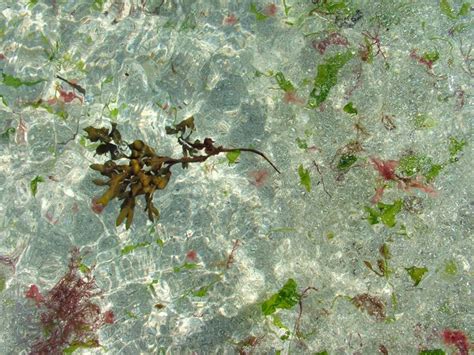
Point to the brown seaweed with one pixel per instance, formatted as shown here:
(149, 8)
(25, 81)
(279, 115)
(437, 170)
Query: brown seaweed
(146, 171)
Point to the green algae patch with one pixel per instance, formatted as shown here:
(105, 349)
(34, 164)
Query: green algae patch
(15, 82)
(326, 78)
(385, 213)
(416, 274)
(286, 298)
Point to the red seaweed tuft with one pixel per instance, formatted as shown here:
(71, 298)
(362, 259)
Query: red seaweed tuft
(69, 317)
(387, 172)
(191, 255)
(333, 39)
(229, 20)
(420, 59)
(96, 206)
(270, 10)
(259, 177)
(458, 339)
(290, 97)
(385, 168)
(34, 294)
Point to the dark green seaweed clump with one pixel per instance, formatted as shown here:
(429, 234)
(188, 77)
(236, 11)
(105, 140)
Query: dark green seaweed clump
(143, 171)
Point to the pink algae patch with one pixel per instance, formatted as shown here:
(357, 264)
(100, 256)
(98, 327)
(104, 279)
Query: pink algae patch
(258, 177)
(290, 97)
(96, 207)
(52, 101)
(387, 172)
(333, 39)
(270, 10)
(50, 218)
(70, 96)
(378, 194)
(34, 294)
(385, 168)
(109, 317)
(421, 60)
(191, 255)
(417, 184)
(456, 338)
(230, 20)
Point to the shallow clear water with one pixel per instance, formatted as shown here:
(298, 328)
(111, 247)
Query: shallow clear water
(268, 77)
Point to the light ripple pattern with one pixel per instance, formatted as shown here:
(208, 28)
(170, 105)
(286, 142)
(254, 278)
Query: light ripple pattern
(372, 215)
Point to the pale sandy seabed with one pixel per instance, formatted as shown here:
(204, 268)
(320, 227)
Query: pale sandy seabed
(351, 100)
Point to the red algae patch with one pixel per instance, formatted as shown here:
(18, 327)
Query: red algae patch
(456, 338)
(69, 318)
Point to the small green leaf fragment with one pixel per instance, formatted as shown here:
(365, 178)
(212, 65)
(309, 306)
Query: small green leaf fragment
(130, 314)
(129, 248)
(301, 143)
(114, 113)
(278, 322)
(324, 352)
(232, 156)
(374, 215)
(3, 283)
(75, 345)
(108, 80)
(201, 292)
(411, 165)
(326, 78)
(431, 56)
(450, 267)
(286, 8)
(84, 268)
(34, 184)
(459, 28)
(432, 352)
(98, 5)
(151, 286)
(447, 9)
(455, 147)
(422, 121)
(464, 10)
(389, 212)
(80, 65)
(269, 306)
(346, 161)
(385, 251)
(394, 300)
(433, 172)
(350, 109)
(185, 266)
(305, 179)
(385, 213)
(286, 298)
(333, 7)
(10, 131)
(416, 274)
(368, 54)
(258, 15)
(284, 84)
(15, 82)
